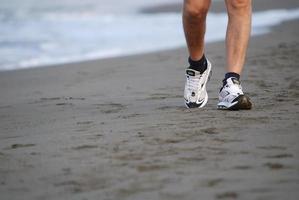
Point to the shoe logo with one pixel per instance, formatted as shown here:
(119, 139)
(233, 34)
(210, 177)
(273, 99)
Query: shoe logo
(227, 93)
(200, 101)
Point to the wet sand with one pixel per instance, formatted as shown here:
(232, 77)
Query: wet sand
(118, 129)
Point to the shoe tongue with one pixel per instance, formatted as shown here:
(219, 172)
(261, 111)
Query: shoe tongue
(191, 72)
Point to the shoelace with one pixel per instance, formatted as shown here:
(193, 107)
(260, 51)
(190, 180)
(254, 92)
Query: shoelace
(194, 82)
(237, 88)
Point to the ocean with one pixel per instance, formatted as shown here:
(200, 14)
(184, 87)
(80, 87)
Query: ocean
(36, 33)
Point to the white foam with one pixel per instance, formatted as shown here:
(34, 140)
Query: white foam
(68, 37)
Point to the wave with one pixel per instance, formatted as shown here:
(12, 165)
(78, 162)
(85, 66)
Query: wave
(54, 38)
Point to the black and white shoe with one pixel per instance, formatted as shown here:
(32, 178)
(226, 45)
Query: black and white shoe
(231, 96)
(195, 93)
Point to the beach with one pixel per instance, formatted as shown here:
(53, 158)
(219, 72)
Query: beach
(118, 129)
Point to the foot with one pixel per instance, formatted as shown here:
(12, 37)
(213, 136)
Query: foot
(195, 93)
(231, 96)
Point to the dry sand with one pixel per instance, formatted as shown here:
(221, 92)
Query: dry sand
(117, 129)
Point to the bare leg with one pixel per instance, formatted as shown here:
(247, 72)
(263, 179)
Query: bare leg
(194, 21)
(238, 33)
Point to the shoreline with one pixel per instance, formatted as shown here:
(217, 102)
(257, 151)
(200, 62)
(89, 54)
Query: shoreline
(219, 6)
(216, 7)
(118, 129)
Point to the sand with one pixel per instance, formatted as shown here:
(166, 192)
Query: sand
(117, 128)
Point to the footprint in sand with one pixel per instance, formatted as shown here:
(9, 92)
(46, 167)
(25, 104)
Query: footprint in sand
(242, 167)
(282, 155)
(171, 108)
(86, 146)
(147, 168)
(210, 131)
(213, 182)
(66, 100)
(109, 108)
(50, 98)
(16, 146)
(227, 195)
(64, 104)
(272, 147)
(72, 185)
(134, 115)
(84, 126)
(274, 166)
(161, 96)
(85, 123)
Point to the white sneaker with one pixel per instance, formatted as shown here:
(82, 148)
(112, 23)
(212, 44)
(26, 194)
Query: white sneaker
(195, 93)
(231, 96)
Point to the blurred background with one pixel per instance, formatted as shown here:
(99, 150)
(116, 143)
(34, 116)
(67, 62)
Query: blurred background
(39, 33)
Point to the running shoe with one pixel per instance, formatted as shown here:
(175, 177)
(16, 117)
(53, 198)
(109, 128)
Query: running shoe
(231, 96)
(195, 93)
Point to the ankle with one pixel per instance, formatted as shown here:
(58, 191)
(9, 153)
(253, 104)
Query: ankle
(198, 65)
(230, 75)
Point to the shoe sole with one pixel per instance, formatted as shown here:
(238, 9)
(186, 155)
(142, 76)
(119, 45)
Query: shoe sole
(242, 102)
